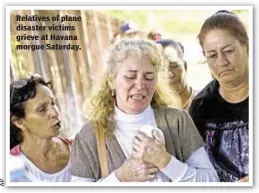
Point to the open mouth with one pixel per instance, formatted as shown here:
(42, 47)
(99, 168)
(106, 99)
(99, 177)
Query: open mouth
(57, 125)
(137, 97)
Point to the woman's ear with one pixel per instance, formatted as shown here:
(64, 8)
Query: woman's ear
(18, 122)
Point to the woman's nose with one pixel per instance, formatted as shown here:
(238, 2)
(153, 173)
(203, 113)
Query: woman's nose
(139, 83)
(171, 74)
(54, 112)
(222, 59)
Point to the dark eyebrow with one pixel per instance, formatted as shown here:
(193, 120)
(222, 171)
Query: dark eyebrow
(226, 46)
(211, 51)
(41, 104)
(173, 62)
(222, 48)
(52, 98)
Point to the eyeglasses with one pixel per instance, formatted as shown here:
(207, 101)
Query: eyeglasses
(19, 84)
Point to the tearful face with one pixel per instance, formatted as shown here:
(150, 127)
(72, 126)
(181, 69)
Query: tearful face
(135, 84)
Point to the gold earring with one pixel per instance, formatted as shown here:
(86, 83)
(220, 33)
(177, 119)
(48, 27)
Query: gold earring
(113, 94)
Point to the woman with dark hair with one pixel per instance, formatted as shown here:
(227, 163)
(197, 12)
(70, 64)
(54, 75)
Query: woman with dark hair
(36, 150)
(220, 110)
(176, 70)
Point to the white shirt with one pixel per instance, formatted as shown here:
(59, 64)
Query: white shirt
(129, 125)
(197, 168)
(23, 170)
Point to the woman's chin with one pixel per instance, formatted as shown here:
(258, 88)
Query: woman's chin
(56, 132)
(137, 109)
(227, 79)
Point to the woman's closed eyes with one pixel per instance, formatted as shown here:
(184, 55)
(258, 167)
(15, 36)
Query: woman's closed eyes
(43, 106)
(150, 76)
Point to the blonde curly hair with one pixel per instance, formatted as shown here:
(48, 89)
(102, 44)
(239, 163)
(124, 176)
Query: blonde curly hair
(99, 108)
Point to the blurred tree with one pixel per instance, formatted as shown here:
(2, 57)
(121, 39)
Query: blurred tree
(170, 21)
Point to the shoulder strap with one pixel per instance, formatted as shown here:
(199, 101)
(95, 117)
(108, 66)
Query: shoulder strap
(101, 148)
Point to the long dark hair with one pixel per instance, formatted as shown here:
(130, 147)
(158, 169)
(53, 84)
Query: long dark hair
(20, 91)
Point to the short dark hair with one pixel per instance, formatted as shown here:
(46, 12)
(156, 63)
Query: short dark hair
(20, 91)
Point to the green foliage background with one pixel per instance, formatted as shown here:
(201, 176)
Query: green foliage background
(169, 21)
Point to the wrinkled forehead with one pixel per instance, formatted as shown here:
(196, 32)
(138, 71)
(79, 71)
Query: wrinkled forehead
(218, 39)
(43, 93)
(137, 61)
